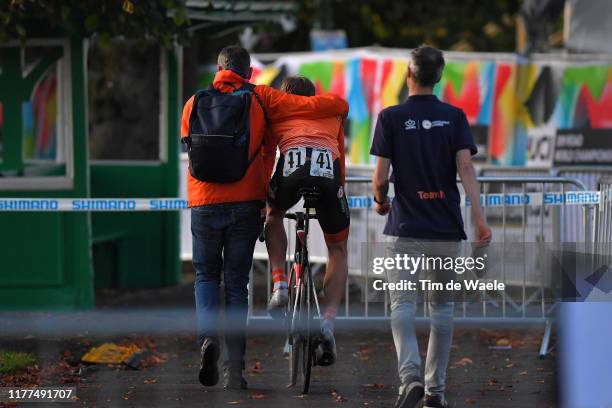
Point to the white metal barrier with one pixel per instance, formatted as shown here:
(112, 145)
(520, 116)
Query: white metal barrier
(529, 222)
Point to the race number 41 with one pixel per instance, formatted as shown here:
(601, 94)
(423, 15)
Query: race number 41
(321, 164)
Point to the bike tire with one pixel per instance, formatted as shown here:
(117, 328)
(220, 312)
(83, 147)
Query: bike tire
(307, 349)
(294, 341)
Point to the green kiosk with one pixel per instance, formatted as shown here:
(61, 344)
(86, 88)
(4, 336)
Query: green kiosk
(52, 260)
(48, 259)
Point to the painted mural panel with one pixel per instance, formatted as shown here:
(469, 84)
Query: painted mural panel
(516, 108)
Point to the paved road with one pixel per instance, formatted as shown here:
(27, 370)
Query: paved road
(365, 374)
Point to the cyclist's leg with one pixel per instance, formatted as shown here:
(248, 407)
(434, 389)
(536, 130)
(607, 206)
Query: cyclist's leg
(282, 194)
(276, 242)
(334, 218)
(335, 279)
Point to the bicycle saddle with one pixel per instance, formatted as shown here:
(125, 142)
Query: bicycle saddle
(310, 194)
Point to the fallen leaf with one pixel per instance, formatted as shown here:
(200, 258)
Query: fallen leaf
(257, 396)
(257, 367)
(523, 373)
(150, 381)
(464, 361)
(338, 397)
(470, 401)
(502, 342)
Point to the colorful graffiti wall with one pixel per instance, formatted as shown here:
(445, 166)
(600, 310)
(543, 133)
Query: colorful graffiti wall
(523, 113)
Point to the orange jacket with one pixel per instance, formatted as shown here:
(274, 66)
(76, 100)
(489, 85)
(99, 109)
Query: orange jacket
(279, 106)
(326, 133)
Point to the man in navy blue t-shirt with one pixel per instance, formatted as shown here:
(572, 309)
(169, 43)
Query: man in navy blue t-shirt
(427, 142)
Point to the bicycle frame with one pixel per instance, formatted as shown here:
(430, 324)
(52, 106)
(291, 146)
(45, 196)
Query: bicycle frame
(302, 296)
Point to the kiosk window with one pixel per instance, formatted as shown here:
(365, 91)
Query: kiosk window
(34, 114)
(124, 101)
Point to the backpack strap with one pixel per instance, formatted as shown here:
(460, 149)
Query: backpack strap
(251, 89)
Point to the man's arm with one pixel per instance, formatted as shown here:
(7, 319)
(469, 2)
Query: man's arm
(269, 152)
(380, 185)
(281, 106)
(470, 185)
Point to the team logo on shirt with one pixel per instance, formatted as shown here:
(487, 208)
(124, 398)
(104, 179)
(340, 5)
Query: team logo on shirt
(427, 124)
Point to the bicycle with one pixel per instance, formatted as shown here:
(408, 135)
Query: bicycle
(300, 313)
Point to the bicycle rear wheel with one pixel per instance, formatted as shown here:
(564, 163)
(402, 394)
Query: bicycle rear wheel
(307, 343)
(293, 337)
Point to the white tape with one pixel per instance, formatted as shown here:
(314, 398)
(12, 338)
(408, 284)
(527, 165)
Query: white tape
(355, 202)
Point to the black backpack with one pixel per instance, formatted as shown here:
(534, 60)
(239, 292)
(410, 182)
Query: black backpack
(219, 134)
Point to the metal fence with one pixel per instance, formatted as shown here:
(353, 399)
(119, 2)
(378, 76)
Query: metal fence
(528, 277)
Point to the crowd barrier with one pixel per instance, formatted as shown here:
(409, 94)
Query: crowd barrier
(533, 208)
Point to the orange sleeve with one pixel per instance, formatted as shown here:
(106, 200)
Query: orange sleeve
(281, 106)
(185, 119)
(269, 152)
(342, 154)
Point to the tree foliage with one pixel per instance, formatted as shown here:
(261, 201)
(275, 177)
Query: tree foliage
(448, 24)
(159, 20)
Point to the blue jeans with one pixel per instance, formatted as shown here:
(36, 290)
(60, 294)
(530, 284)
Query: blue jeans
(224, 238)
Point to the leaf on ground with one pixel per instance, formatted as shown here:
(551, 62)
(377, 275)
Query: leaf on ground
(338, 397)
(464, 361)
(150, 381)
(363, 353)
(257, 367)
(234, 402)
(502, 342)
(257, 396)
(470, 401)
(523, 373)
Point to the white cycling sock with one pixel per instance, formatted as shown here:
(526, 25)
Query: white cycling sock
(282, 285)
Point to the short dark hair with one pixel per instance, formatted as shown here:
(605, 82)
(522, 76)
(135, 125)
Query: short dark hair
(426, 64)
(298, 85)
(235, 58)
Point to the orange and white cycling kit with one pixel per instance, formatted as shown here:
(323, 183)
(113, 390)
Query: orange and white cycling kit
(312, 155)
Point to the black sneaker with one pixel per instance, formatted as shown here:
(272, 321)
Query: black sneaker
(434, 401)
(410, 394)
(209, 355)
(325, 353)
(233, 379)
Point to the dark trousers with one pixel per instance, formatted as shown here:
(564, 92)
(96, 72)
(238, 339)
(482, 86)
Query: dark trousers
(224, 238)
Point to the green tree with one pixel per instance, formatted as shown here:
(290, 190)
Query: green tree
(159, 20)
(448, 24)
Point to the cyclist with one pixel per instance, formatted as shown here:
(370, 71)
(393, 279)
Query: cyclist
(311, 155)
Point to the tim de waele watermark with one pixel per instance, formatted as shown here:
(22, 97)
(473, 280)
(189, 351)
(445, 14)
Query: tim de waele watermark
(403, 263)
